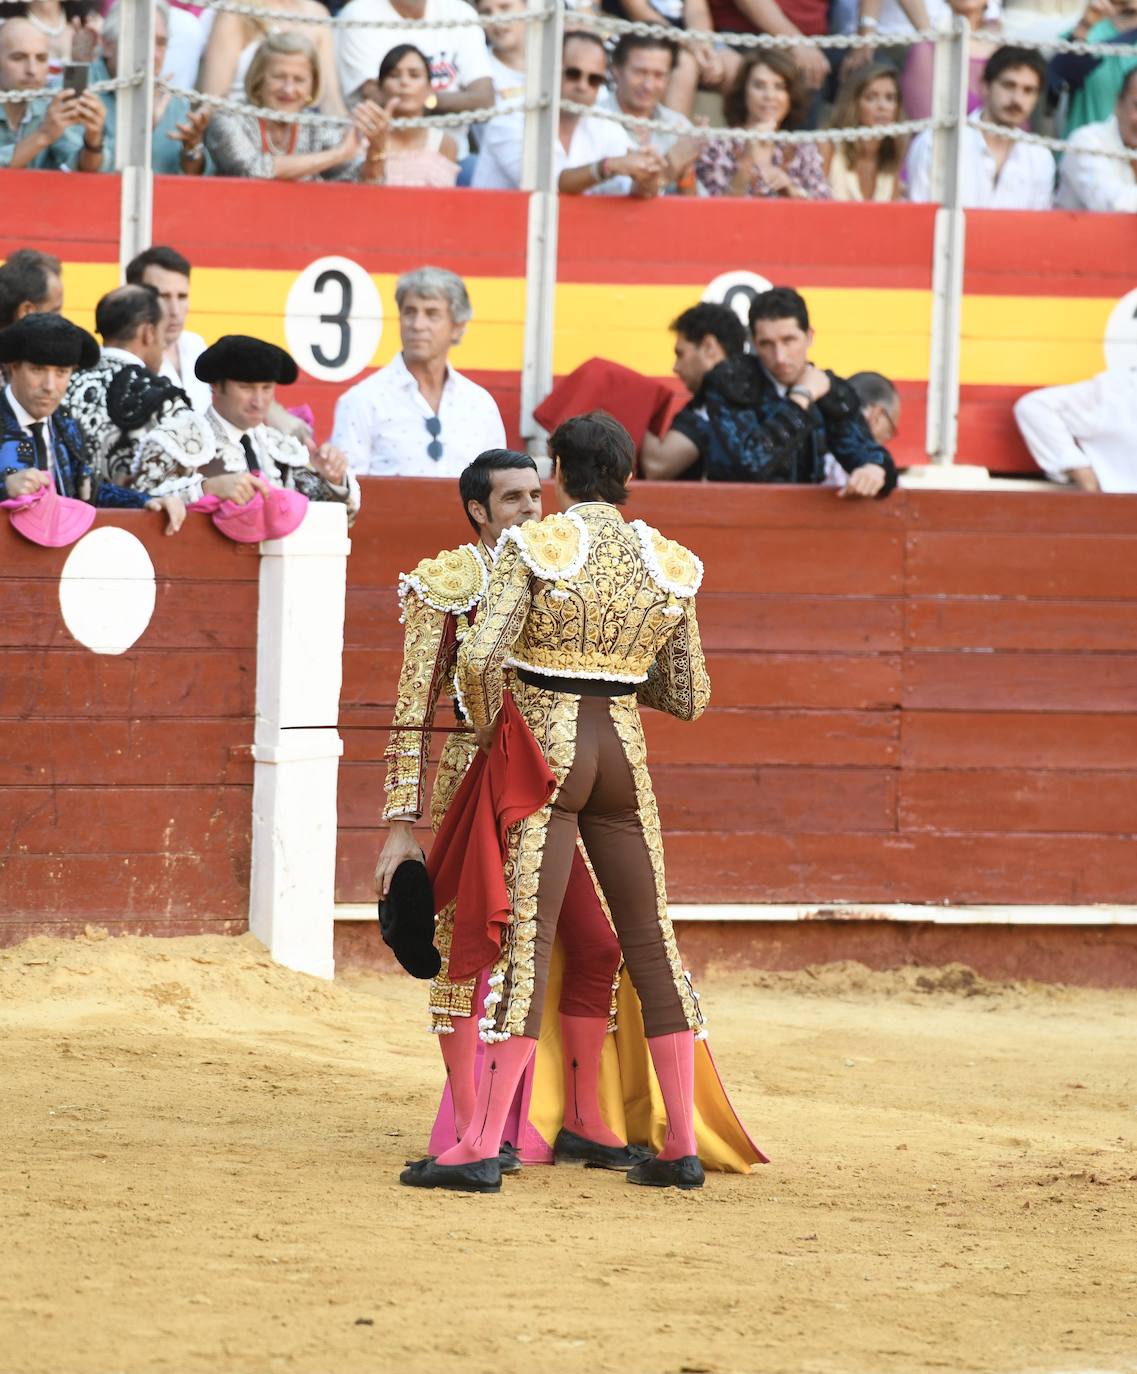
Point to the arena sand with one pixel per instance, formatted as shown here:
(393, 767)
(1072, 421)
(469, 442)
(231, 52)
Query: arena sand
(200, 1154)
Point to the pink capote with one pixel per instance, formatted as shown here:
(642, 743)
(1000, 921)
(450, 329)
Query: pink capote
(48, 519)
(263, 517)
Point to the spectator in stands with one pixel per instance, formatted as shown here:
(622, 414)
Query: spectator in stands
(70, 29)
(243, 453)
(168, 273)
(418, 416)
(706, 335)
(507, 43)
(459, 58)
(641, 69)
(411, 157)
(285, 75)
(1092, 83)
(235, 39)
(594, 156)
(1084, 433)
(880, 405)
(39, 441)
(178, 129)
(31, 283)
(998, 173)
(767, 95)
(1090, 181)
(54, 131)
(917, 80)
(868, 170)
(772, 416)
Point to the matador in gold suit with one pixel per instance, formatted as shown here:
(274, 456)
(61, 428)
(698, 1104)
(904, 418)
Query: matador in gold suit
(590, 617)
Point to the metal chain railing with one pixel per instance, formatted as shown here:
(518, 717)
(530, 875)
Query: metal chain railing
(330, 21)
(1056, 145)
(116, 83)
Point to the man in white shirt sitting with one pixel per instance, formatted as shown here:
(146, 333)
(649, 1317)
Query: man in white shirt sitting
(641, 69)
(593, 156)
(169, 274)
(997, 173)
(418, 416)
(1085, 433)
(1089, 182)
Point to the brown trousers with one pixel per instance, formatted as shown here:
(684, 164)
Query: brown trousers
(611, 802)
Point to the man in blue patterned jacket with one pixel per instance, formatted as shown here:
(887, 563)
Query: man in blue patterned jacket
(39, 441)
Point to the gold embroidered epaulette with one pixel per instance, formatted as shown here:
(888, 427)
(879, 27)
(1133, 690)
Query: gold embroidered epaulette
(676, 569)
(554, 548)
(455, 581)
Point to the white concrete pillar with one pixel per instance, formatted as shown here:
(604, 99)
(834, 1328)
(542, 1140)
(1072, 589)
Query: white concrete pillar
(297, 746)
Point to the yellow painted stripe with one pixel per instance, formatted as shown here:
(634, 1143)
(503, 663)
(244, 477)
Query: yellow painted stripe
(1006, 340)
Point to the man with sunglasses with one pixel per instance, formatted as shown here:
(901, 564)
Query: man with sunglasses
(594, 156)
(418, 416)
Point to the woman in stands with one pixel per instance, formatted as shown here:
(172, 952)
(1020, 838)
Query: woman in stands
(870, 168)
(412, 157)
(767, 95)
(235, 38)
(284, 76)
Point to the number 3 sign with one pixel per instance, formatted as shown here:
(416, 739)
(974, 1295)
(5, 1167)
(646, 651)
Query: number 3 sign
(333, 319)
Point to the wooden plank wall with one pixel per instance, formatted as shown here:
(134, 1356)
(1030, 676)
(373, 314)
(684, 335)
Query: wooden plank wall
(931, 699)
(127, 779)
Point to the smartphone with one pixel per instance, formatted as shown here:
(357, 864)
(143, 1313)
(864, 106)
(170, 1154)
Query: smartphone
(76, 76)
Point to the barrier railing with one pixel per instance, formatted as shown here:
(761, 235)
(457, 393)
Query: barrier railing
(542, 106)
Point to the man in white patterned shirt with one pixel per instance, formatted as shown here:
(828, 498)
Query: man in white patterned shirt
(418, 417)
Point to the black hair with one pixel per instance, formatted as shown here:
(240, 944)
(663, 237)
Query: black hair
(720, 321)
(476, 480)
(396, 55)
(596, 455)
(122, 312)
(635, 42)
(779, 303)
(24, 278)
(159, 255)
(873, 388)
(1008, 56)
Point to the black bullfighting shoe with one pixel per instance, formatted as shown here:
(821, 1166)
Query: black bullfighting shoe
(482, 1176)
(508, 1158)
(685, 1172)
(570, 1148)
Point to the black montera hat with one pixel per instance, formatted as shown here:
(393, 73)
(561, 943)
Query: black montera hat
(239, 358)
(406, 920)
(49, 340)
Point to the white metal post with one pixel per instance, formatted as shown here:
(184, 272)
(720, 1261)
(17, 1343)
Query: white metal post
(949, 110)
(134, 123)
(297, 745)
(542, 129)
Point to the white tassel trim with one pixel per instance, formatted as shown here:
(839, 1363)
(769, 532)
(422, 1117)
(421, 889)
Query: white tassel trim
(494, 1037)
(701, 1034)
(459, 698)
(487, 1023)
(645, 532)
(592, 677)
(495, 980)
(673, 610)
(538, 569)
(408, 583)
(441, 1030)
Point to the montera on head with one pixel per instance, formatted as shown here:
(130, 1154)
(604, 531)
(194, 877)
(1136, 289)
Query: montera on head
(244, 373)
(40, 352)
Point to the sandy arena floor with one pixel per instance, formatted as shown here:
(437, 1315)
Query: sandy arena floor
(200, 1153)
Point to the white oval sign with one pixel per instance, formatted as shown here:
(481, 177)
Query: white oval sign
(1121, 333)
(737, 290)
(107, 591)
(333, 319)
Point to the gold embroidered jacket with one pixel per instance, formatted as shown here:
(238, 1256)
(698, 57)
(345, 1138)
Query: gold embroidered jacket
(586, 595)
(436, 599)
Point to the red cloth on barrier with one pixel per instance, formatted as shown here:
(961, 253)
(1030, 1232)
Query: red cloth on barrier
(468, 855)
(639, 403)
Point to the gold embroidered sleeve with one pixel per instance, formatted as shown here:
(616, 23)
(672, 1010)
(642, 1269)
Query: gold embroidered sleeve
(423, 675)
(483, 653)
(677, 681)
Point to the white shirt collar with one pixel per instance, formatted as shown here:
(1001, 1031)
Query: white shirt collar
(23, 419)
(230, 431)
(406, 378)
(122, 355)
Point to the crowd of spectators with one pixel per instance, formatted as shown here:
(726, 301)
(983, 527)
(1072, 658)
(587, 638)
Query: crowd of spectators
(365, 77)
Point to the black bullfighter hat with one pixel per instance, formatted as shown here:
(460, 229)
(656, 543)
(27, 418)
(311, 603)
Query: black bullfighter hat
(406, 920)
(240, 358)
(50, 341)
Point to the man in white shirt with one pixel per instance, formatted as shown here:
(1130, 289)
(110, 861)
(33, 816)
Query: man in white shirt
(593, 156)
(418, 417)
(997, 173)
(641, 69)
(1085, 433)
(1087, 182)
(168, 272)
(507, 43)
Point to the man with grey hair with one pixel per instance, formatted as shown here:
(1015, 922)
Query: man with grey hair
(880, 404)
(418, 417)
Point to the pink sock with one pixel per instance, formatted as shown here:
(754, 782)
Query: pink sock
(504, 1063)
(582, 1040)
(458, 1052)
(674, 1060)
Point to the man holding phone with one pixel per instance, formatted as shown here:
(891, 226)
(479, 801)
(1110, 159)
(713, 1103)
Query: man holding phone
(64, 130)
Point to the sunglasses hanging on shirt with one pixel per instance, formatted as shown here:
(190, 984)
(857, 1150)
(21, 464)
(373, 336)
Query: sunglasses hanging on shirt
(434, 429)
